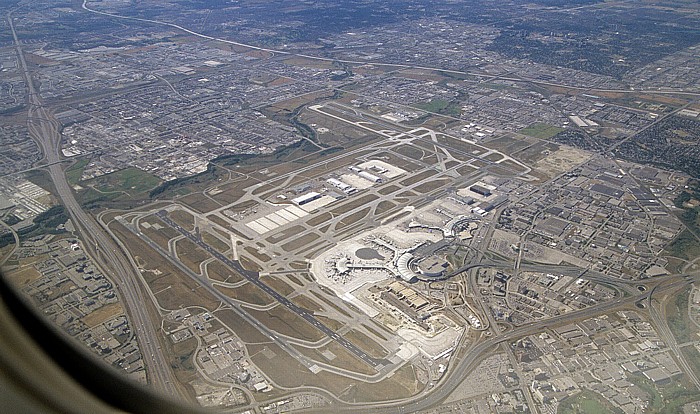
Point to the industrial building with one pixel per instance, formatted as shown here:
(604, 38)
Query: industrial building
(480, 190)
(306, 198)
(371, 177)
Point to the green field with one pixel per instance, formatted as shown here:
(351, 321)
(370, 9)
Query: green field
(685, 246)
(678, 319)
(130, 180)
(666, 399)
(128, 184)
(586, 402)
(541, 131)
(692, 355)
(75, 171)
(440, 106)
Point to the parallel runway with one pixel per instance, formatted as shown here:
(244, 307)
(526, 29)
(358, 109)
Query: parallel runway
(254, 278)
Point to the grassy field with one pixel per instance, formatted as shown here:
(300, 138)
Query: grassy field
(75, 171)
(278, 285)
(341, 358)
(190, 254)
(541, 130)
(666, 399)
(678, 318)
(692, 355)
(586, 402)
(130, 180)
(440, 106)
(307, 303)
(418, 177)
(124, 186)
(215, 242)
(183, 218)
(685, 246)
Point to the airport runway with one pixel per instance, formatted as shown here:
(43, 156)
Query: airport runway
(254, 278)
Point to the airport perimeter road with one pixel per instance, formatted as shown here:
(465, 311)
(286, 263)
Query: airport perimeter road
(45, 130)
(254, 278)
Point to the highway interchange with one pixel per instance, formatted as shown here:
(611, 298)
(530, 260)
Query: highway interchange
(45, 130)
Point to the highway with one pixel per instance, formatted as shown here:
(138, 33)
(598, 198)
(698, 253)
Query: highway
(254, 278)
(45, 130)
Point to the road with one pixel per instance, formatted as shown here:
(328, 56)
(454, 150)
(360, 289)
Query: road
(45, 130)
(391, 65)
(254, 278)
(460, 369)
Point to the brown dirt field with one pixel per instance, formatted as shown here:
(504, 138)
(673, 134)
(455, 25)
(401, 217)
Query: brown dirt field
(513, 166)
(394, 160)
(452, 164)
(294, 279)
(222, 273)
(255, 253)
(401, 385)
(330, 303)
(319, 219)
(182, 218)
(343, 359)
(465, 170)
(215, 242)
(432, 185)
(383, 207)
(248, 264)
(160, 237)
(307, 303)
(229, 195)
(494, 156)
(191, 255)
(376, 332)
(331, 323)
(388, 189)
(365, 343)
(285, 234)
(352, 218)
(480, 163)
(247, 332)
(282, 320)
(199, 203)
(278, 285)
(298, 243)
(418, 177)
(103, 314)
(294, 374)
(248, 293)
(410, 151)
(21, 278)
(354, 203)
